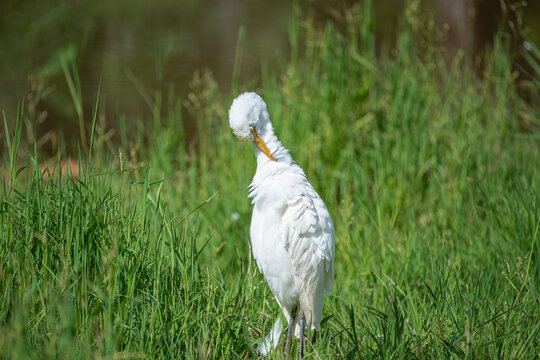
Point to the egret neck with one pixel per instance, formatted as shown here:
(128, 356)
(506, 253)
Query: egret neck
(278, 152)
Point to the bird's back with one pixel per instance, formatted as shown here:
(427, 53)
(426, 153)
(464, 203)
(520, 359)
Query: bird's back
(292, 238)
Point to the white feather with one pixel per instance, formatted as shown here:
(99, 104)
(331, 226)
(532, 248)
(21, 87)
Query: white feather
(292, 233)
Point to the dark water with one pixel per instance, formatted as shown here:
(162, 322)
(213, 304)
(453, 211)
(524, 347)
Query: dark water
(126, 45)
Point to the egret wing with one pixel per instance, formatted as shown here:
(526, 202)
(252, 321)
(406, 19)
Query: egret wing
(307, 233)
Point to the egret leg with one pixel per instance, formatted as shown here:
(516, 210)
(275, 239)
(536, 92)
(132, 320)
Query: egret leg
(302, 327)
(292, 320)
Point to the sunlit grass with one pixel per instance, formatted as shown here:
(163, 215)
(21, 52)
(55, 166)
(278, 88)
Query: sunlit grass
(430, 173)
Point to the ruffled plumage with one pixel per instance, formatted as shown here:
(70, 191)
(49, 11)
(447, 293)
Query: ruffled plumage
(292, 234)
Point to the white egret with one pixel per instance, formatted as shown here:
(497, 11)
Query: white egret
(292, 234)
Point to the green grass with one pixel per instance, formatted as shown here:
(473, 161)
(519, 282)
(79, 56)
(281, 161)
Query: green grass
(429, 170)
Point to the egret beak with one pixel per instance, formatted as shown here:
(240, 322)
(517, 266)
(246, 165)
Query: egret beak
(260, 143)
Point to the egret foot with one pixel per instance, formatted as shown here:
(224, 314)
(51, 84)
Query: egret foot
(302, 327)
(292, 320)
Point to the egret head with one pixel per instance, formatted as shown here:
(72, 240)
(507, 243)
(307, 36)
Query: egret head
(247, 111)
(249, 119)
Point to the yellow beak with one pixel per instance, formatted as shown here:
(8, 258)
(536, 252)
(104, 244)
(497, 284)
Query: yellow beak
(260, 143)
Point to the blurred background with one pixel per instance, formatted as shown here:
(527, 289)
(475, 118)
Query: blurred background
(54, 55)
